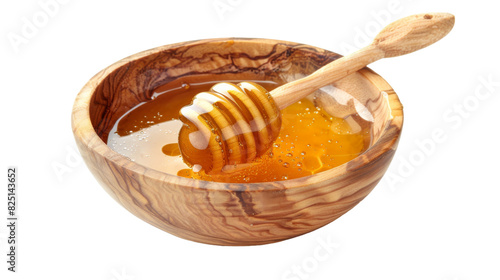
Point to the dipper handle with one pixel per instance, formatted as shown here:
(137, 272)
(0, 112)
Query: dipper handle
(398, 38)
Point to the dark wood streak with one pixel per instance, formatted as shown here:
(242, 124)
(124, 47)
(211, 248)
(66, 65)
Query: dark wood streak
(245, 200)
(224, 213)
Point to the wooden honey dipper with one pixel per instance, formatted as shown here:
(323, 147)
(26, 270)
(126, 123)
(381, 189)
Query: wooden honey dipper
(231, 125)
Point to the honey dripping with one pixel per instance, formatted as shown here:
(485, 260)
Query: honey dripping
(310, 140)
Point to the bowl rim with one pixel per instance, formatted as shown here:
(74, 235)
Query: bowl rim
(80, 120)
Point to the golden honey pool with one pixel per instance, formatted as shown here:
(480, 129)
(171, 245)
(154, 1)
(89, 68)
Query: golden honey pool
(310, 140)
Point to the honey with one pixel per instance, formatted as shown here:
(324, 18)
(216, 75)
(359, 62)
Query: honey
(310, 140)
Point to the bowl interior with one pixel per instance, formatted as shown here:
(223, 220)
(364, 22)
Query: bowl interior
(359, 98)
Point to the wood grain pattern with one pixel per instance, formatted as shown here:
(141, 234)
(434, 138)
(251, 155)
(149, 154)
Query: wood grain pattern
(223, 213)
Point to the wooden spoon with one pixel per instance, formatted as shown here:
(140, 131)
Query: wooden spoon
(231, 125)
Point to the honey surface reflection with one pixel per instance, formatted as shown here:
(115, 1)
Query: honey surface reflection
(310, 140)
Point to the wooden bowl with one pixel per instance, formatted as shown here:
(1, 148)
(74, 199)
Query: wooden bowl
(226, 213)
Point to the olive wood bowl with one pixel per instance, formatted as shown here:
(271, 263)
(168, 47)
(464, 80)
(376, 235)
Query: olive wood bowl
(230, 213)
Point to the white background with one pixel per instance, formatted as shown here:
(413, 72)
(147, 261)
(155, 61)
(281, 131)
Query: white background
(438, 217)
